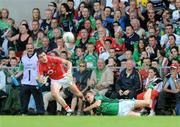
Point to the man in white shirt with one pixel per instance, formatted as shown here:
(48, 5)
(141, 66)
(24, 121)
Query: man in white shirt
(165, 38)
(176, 13)
(29, 83)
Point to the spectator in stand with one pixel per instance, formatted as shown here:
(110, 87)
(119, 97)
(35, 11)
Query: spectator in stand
(82, 40)
(57, 34)
(99, 25)
(152, 16)
(47, 45)
(107, 19)
(164, 39)
(137, 28)
(129, 83)
(88, 27)
(35, 30)
(54, 25)
(112, 54)
(172, 5)
(86, 16)
(107, 46)
(152, 47)
(46, 23)
(101, 41)
(53, 7)
(144, 70)
(36, 15)
(13, 105)
(163, 62)
(153, 77)
(174, 54)
(72, 9)
(166, 19)
(97, 11)
(66, 18)
(6, 44)
(172, 43)
(60, 45)
(167, 98)
(175, 14)
(4, 14)
(130, 37)
(3, 92)
(155, 64)
(101, 78)
(81, 78)
(115, 5)
(77, 56)
(120, 19)
(81, 6)
(21, 40)
(91, 56)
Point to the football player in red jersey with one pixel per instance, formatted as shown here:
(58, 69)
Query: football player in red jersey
(60, 76)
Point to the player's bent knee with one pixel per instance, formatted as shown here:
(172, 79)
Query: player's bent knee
(54, 94)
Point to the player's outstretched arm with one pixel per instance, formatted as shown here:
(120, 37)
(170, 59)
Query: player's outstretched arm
(94, 105)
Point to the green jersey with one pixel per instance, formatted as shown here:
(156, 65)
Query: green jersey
(91, 60)
(108, 106)
(4, 25)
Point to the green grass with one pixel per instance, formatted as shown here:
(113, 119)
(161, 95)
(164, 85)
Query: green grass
(88, 121)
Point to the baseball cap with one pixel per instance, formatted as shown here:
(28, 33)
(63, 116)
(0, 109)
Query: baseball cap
(174, 65)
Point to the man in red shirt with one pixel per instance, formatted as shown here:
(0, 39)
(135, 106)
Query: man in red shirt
(60, 76)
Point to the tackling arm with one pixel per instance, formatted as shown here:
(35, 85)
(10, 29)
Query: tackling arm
(92, 106)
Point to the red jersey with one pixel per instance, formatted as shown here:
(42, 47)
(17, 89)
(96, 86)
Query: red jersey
(54, 68)
(100, 46)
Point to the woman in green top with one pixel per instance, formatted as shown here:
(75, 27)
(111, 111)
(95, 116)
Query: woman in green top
(107, 106)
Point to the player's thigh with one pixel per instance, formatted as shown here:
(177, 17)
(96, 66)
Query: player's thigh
(73, 88)
(55, 87)
(140, 104)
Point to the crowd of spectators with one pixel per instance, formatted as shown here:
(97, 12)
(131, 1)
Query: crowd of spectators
(120, 47)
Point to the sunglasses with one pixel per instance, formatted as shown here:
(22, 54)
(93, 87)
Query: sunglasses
(82, 66)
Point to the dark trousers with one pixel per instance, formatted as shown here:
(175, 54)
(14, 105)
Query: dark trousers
(13, 100)
(166, 103)
(116, 95)
(25, 93)
(178, 103)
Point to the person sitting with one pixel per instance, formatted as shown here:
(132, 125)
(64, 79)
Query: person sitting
(128, 83)
(153, 77)
(167, 98)
(101, 78)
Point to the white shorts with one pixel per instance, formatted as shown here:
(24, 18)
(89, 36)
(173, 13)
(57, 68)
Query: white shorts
(125, 106)
(64, 82)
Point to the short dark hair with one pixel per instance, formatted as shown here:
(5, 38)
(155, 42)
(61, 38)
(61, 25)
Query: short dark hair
(173, 36)
(14, 58)
(169, 25)
(108, 7)
(39, 52)
(162, 53)
(175, 47)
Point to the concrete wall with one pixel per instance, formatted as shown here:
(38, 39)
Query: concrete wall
(22, 9)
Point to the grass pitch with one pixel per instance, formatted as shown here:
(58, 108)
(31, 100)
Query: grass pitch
(88, 121)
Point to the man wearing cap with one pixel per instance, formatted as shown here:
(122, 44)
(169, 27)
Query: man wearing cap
(167, 98)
